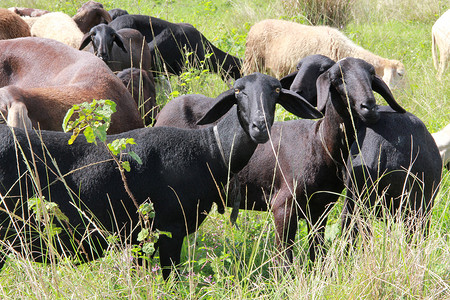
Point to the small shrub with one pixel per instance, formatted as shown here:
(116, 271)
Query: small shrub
(334, 13)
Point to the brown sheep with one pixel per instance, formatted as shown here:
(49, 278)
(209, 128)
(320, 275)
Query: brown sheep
(49, 77)
(90, 14)
(275, 47)
(141, 85)
(12, 26)
(28, 12)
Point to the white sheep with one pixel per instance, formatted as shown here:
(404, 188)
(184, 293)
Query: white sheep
(276, 46)
(12, 26)
(442, 139)
(440, 37)
(30, 20)
(58, 26)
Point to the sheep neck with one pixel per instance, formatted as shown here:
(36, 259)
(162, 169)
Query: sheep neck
(219, 144)
(336, 130)
(237, 146)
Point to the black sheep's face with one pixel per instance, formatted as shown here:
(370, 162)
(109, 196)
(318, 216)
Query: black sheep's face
(308, 70)
(256, 101)
(305, 86)
(103, 38)
(352, 78)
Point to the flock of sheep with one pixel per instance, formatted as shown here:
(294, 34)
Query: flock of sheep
(197, 145)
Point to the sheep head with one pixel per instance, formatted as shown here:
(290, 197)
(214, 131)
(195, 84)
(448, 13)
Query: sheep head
(303, 81)
(353, 80)
(255, 96)
(393, 73)
(103, 38)
(90, 14)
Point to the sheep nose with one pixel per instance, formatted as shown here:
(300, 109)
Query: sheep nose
(371, 107)
(103, 56)
(259, 126)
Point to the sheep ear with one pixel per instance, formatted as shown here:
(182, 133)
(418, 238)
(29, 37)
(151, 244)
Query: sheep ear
(85, 41)
(287, 80)
(224, 102)
(298, 105)
(118, 40)
(323, 85)
(104, 13)
(379, 86)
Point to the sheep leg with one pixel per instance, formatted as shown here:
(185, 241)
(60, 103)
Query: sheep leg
(418, 220)
(349, 228)
(316, 229)
(169, 252)
(18, 116)
(286, 224)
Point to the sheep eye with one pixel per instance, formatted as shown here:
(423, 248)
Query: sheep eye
(277, 90)
(237, 91)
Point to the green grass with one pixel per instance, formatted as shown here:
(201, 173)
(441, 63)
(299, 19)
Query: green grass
(229, 263)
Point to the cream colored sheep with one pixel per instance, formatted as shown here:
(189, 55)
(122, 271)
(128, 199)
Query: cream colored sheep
(12, 26)
(440, 36)
(442, 139)
(30, 20)
(276, 46)
(58, 26)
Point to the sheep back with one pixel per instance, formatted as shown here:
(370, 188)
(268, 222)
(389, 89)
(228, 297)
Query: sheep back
(58, 26)
(12, 26)
(141, 86)
(440, 34)
(395, 162)
(275, 47)
(49, 77)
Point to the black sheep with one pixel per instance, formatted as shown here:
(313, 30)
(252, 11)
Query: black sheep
(180, 172)
(168, 41)
(305, 177)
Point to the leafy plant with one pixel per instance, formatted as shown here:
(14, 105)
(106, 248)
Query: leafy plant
(94, 119)
(192, 75)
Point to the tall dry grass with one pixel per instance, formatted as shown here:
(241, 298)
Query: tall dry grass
(336, 13)
(224, 262)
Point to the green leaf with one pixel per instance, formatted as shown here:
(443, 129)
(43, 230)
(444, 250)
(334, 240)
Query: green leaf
(100, 132)
(58, 213)
(146, 208)
(89, 134)
(67, 118)
(148, 248)
(126, 166)
(135, 157)
(166, 233)
(54, 230)
(33, 203)
(130, 141)
(143, 234)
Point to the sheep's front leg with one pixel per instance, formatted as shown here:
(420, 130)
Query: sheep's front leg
(169, 252)
(285, 218)
(316, 229)
(349, 228)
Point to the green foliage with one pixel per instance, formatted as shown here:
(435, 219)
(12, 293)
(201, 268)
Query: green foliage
(94, 119)
(45, 212)
(194, 74)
